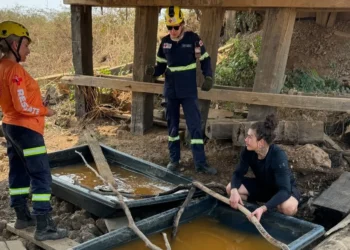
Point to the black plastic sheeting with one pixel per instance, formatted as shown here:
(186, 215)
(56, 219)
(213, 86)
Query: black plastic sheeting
(103, 206)
(294, 232)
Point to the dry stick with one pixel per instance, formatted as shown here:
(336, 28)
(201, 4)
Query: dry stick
(241, 208)
(181, 210)
(167, 244)
(132, 224)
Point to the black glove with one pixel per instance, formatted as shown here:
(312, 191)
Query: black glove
(164, 103)
(208, 83)
(149, 70)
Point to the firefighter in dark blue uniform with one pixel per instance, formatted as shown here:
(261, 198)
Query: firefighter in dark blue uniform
(177, 56)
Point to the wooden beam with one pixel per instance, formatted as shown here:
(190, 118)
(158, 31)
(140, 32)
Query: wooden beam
(277, 36)
(81, 21)
(287, 132)
(146, 27)
(211, 22)
(267, 99)
(99, 158)
(217, 3)
(28, 234)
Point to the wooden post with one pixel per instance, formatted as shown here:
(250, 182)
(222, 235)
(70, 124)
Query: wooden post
(322, 18)
(146, 27)
(211, 22)
(230, 27)
(81, 21)
(277, 35)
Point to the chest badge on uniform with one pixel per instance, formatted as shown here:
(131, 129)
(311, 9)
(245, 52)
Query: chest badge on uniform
(186, 45)
(17, 80)
(167, 46)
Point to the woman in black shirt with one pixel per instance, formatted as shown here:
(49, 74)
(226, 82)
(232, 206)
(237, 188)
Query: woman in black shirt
(274, 182)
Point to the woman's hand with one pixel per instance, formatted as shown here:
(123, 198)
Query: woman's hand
(258, 212)
(235, 199)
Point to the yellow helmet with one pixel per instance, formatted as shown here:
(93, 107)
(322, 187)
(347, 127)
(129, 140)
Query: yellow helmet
(173, 16)
(8, 28)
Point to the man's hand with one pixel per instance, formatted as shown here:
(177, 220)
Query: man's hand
(50, 112)
(208, 83)
(258, 212)
(235, 199)
(149, 70)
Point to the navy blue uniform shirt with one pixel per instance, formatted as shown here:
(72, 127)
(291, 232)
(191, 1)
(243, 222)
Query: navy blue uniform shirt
(178, 60)
(272, 174)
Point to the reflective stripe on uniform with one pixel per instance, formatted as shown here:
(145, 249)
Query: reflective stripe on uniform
(19, 191)
(205, 55)
(176, 138)
(34, 151)
(183, 68)
(197, 141)
(41, 197)
(161, 59)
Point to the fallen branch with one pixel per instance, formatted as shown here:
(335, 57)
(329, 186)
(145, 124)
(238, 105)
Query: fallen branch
(180, 187)
(132, 224)
(241, 208)
(181, 210)
(167, 244)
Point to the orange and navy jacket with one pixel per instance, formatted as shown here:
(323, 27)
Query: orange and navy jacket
(20, 97)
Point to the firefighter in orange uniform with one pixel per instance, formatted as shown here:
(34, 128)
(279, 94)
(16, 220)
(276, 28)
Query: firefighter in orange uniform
(23, 127)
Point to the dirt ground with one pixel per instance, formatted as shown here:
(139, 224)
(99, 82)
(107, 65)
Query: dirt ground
(153, 147)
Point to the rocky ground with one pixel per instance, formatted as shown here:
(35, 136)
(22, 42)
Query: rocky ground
(311, 166)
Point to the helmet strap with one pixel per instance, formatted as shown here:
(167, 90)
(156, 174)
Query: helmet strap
(15, 53)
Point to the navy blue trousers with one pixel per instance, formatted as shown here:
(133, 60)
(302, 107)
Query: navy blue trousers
(29, 168)
(193, 121)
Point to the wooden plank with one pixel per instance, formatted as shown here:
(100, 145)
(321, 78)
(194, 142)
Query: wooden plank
(332, 19)
(217, 3)
(15, 245)
(28, 234)
(268, 99)
(277, 36)
(219, 129)
(3, 245)
(287, 132)
(81, 21)
(337, 196)
(100, 160)
(344, 223)
(338, 241)
(146, 27)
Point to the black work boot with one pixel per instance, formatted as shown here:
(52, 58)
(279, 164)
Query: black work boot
(205, 168)
(47, 230)
(173, 166)
(24, 218)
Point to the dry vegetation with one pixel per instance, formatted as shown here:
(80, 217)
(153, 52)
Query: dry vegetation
(51, 50)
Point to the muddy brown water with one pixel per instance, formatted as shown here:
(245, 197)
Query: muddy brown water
(128, 181)
(203, 234)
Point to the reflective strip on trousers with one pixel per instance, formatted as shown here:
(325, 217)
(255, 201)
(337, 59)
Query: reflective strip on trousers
(205, 55)
(183, 68)
(34, 151)
(19, 191)
(176, 138)
(161, 59)
(197, 141)
(41, 197)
